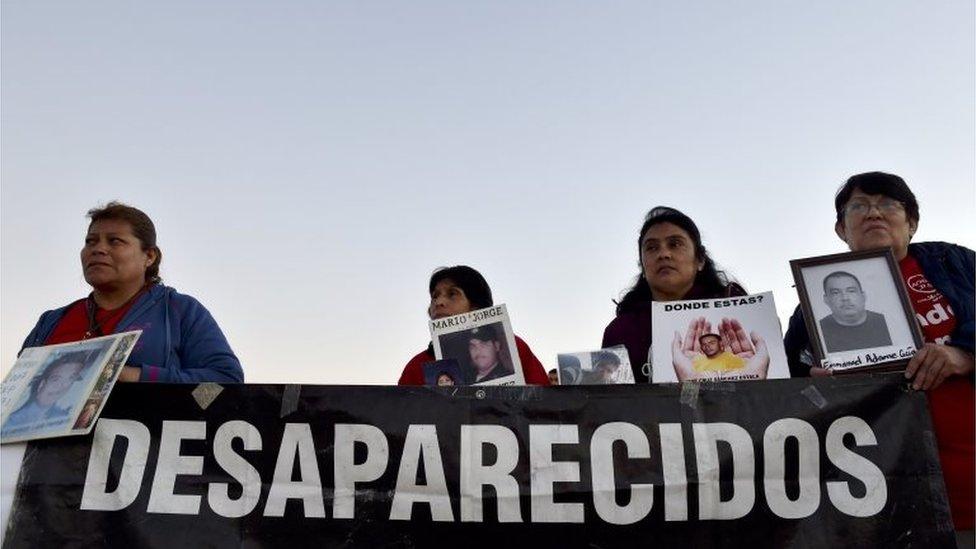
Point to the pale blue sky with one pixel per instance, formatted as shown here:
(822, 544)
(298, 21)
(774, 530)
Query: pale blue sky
(308, 164)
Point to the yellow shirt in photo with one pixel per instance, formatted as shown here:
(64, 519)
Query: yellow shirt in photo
(722, 362)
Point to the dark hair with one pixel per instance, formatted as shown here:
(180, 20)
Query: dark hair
(886, 184)
(74, 357)
(142, 228)
(445, 373)
(602, 357)
(716, 336)
(837, 274)
(474, 285)
(483, 333)
(709, 279)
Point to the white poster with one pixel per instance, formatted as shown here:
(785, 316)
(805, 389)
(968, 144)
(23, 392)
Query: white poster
(59, 390)
(483, 345)
(727, 339)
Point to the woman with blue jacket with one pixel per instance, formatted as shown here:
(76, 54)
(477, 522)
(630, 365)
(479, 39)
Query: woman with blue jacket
(180, 342)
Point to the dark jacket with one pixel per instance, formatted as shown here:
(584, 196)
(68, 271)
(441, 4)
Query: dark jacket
(632, 329)
(180, 342)
(950, 268)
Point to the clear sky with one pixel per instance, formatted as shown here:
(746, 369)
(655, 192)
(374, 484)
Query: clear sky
(308, 164)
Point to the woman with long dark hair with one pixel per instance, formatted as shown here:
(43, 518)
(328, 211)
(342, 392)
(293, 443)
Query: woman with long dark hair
(674, 266)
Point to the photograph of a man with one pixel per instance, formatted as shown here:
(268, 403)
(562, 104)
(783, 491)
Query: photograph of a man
(714, 357)
(443, 373)
(46, 389)
(605, 366)
(850, 325)
(484, 350)
(704, 353)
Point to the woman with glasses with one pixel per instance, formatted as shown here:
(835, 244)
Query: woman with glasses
(674, 266)
(878, 210)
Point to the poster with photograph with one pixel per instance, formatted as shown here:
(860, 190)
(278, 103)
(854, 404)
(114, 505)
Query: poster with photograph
(856, 310)
(608, 366)
(722, 339)
(483, 345)
(59, 390)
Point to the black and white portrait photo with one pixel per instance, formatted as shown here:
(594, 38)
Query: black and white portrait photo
(857, 310)
(850, 324)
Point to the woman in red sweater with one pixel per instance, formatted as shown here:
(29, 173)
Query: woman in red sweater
(456, 290)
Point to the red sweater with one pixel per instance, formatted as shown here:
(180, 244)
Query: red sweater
(535, 374)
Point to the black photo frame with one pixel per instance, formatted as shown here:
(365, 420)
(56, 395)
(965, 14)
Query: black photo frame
(858, 347)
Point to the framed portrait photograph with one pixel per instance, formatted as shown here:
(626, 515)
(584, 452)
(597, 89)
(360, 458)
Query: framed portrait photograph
(857, 311)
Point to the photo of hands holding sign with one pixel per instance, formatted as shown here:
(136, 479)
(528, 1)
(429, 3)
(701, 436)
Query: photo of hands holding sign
(726, 339)
(725, 351)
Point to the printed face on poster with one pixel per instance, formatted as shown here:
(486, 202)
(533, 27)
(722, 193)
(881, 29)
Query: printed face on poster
(856, 310)
(51, 389)
(443, 373)
(723, 339)
(609, 366)
(482, 344)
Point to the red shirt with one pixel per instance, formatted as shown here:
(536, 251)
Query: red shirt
(73, 326)
(532, 370)
(951, 404)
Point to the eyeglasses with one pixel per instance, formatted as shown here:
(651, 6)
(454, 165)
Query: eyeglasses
(862, 207)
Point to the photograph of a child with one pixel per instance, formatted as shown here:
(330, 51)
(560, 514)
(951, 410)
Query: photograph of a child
(443, 373)
(54, 390)
(481, 352)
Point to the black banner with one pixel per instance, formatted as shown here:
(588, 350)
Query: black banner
(804, 463)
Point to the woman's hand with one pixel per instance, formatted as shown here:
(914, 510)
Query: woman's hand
(933, 363)
(736, 340)
(130, 374)
(684, 368)
(816, 371)
(696, 328)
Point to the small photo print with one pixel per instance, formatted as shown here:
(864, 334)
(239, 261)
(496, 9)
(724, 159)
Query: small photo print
(54, 389)
(856, 311)
(58, 390)
(482, 344)
(609, 366)
(443, 373)
(88, 413)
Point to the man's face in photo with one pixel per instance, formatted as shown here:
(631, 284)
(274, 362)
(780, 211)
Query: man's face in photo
(606, 369)
(711, 345)
(845, 299)
(484, 354)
